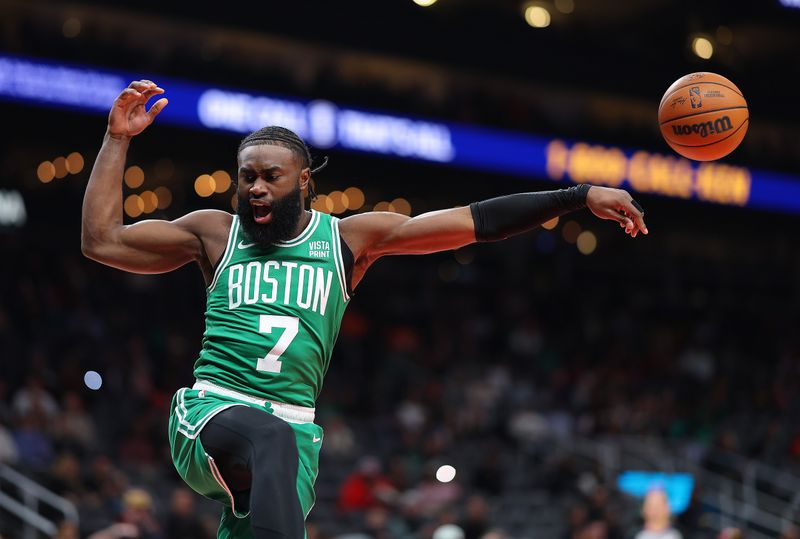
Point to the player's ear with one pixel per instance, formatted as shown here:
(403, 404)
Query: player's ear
(305, 177)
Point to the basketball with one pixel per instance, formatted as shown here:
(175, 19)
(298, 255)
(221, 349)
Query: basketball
(703, 116)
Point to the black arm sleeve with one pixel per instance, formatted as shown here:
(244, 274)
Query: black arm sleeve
(501, 217)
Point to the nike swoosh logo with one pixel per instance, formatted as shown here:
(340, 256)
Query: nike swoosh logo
(243, 245)
(316, 439)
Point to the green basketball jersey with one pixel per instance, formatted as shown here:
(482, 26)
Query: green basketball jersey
(273, 313)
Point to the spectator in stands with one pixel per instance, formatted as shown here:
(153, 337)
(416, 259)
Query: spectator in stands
(34, 396)
(137, 509)
(74, 426)
(381, 523)
(730, 533)
(182, 523)
(34, 445)
(8, 447)
(476, 518)
(340, 442)
(791, 531)
(657, 517)
(67, 530)
(367, 487)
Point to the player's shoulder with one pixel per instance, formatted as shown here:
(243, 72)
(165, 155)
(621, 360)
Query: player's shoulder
(362, 230)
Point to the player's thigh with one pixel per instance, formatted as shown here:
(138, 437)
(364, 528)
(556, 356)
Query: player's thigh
(188, 415)
(309, 442)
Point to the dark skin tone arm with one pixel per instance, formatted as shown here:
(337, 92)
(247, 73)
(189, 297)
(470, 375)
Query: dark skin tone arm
(157, 246)
(373, 235)
(151, 246)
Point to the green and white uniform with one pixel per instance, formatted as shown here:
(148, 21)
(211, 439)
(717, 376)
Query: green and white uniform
(272, 318)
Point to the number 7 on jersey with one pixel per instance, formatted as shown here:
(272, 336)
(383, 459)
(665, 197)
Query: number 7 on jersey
(266, 323)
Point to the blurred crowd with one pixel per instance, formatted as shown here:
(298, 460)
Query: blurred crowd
(475, 359)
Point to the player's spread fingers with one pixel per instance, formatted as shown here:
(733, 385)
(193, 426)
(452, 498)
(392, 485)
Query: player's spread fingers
(157, 107)
(150, 92)
(140, 85)
(127, 95)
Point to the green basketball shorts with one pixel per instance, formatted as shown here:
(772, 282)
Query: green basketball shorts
(190, 411)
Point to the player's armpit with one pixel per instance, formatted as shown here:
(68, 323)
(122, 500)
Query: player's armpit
(375, 234)
(158, 246)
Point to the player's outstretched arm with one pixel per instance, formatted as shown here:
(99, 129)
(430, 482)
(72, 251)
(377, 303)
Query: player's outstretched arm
(372, 235)
(152, 246)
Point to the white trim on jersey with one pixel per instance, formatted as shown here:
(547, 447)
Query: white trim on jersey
(338, 261)
(226, 256)
(291, 413)
(195, 429)
(304, 235)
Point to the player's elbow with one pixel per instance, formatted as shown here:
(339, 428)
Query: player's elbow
(92, 243)
(89, 247)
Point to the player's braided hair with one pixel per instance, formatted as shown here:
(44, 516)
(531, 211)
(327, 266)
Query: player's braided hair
(280, 136)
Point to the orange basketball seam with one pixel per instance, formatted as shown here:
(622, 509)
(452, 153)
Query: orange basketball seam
(698, 84)
(703, 112)
(669, 140)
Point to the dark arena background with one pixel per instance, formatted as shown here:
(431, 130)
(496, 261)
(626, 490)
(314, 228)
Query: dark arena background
(540, 387)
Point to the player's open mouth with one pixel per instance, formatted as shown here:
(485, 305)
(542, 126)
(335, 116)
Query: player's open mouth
(262, 214)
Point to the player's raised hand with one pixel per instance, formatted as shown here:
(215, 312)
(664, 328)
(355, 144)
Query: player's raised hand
(618, 205)
(128, 116)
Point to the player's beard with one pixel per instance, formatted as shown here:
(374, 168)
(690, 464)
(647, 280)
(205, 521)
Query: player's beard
(286, 213)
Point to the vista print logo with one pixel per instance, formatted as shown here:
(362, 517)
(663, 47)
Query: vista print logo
(695, 97)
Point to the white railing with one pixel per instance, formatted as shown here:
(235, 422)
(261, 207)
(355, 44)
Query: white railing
(749, 503)
(32, 496)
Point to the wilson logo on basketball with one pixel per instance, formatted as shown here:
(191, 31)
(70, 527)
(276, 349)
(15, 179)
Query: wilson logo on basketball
(720, 125)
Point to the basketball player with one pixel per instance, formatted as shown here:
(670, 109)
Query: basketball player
(279, 278)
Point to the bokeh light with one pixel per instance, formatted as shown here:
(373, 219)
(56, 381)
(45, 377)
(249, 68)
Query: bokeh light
(339, 201)
(93, 380)
(401, 205)
(150, 201)
(46, 172)
(74, 163)
(445, 473)
(71, 27)
(587, 242)
(134, 177)
(323, 204)
(164, 196)
(565, 6)
(133, 206)
(204, 185)
(222, 181)
(537, 16)
(355, 198)
(570, 231)
(724, 35)
(703, 47)
(551, 224)
(60, 164)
